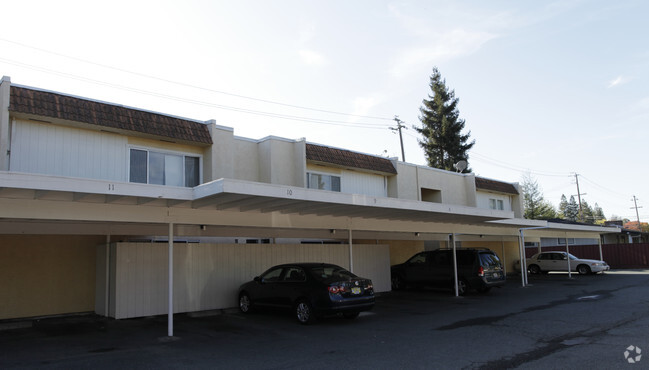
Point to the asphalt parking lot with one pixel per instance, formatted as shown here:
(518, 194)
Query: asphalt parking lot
(588, 321)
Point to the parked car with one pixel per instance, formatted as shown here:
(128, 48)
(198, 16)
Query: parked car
(558, 261)
(309, 290)
(478, 269)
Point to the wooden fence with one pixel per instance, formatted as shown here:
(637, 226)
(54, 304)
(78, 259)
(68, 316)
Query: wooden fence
(618, 256)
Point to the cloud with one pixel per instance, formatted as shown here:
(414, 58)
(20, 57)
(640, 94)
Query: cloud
(617, 81)
(312, 58)
(444, 46)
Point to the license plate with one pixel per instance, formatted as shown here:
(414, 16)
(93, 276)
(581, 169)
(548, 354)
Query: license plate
(356, 290)
(496, 275)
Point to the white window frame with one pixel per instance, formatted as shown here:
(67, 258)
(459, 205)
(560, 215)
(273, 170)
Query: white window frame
(338, 175)
(164, 151)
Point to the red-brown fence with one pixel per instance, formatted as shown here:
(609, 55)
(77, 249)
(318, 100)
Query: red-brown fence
(618, 256)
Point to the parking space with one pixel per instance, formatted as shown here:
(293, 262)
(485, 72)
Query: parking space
(538, 325)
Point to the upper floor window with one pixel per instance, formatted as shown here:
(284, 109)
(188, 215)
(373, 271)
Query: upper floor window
(150, 167)
(496, 204)
(322, 182)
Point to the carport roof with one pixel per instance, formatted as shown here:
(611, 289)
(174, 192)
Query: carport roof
(107, 201)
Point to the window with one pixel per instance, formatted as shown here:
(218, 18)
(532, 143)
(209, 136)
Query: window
(496, 204)
(322, 182)
(562, 241)
(149, 167)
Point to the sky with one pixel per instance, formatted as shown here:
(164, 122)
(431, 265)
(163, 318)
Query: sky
(547, 88)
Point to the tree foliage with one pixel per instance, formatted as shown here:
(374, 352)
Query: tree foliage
(536, 207)
(443, 141)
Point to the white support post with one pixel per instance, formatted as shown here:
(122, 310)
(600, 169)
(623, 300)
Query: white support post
(599, 241)
(568, 257)
(452, 237)
(170, 316)
(107, 285)
(504, 258)
(351, 257)
(521, 253)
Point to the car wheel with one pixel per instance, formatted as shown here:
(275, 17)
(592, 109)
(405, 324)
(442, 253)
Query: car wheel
(534, 269)
(397, 283)
(583, 269)
(484, 289)
(462, 287)
(245, 303)
(350, 315)
(304, 312)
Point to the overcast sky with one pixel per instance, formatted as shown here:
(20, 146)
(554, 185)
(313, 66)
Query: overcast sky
(553, 88)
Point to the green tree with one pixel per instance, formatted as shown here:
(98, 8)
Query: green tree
(563, 205)
(443, 141)
(598, 213)
(536, 207)
(571, 212)
(587, 213)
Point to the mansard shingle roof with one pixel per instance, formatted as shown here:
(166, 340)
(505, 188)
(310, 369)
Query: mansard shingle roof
(349, 159)
(64, 107)
(492, 185)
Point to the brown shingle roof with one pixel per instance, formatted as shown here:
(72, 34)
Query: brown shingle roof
(346, 158)
(492, 185)
(65, 107)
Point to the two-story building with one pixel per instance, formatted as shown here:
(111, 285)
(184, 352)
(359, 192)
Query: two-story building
(128, 213)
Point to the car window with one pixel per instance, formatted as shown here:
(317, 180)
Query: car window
(489, 259)
(327, 272)
(465, 258)
(442, 259)
(272, 275)
(294, 274)
(418, 259)
(544, 256)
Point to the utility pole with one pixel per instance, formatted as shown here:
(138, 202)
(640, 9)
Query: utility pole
(579, 197)
(399, 126)
(637, 215)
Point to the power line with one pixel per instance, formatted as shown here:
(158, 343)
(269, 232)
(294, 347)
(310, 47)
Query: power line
(192, 86)
(518, 168)
(198, 102)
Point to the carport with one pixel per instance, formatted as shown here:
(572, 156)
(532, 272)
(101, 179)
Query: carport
(33, 204)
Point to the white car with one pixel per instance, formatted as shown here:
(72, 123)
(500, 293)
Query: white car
(557, 261)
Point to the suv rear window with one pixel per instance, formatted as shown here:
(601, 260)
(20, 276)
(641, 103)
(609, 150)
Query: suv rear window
(489, 259)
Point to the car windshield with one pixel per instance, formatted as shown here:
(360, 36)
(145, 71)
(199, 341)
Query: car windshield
(489, 259)
(573, 257)
(327, 272)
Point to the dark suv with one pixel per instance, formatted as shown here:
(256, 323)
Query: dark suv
(478, 269)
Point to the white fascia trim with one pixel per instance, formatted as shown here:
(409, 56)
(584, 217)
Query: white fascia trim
(571, 227)
(31, 181)
(303, 194)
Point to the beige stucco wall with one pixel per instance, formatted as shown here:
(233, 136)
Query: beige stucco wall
(47, 275)
(457, 189)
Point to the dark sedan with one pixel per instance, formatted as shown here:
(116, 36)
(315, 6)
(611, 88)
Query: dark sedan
(310, 290)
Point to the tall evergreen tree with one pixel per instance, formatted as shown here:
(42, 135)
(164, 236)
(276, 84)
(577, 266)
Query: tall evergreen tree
(443, 141)
(598, 213)
(572, 210)
(563, 205)
(536, 207)
(587, 213)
